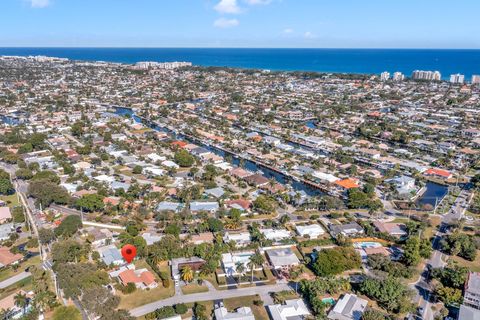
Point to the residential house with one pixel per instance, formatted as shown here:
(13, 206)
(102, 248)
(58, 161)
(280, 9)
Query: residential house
(347, 230)
(240, 204)
(241, 239)
(349, 307)
(99, 237)
(177, 264)
(142, 278)
(205, 237)
(110, 255)
(394, 229)
(438, 173)
(16, 312)
(291, 309)
(403, 184)
(151, 238)
(197, 206)
(5, 215)
(7, 258)
(282, 258)
(5, 230)
(230, 262)
(215, 192)
(169, 206)
(312, 231)
(276, 235)
(243, 313)
(257, 180)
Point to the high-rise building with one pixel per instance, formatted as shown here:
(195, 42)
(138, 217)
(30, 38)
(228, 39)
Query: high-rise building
(476, 79)
(426, 75)
(384, 76)
(457, 78)
(398, 76)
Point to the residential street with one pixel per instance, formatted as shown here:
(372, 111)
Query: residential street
(263, 291)
(12, 280)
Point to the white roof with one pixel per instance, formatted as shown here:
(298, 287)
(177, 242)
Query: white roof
(277, 234)
(243, 313)
(291, 308)
(104, 178)
(348, 307)
(312, 230)
(170, 164)
(324, 176)
(242, 236)
(155, 157)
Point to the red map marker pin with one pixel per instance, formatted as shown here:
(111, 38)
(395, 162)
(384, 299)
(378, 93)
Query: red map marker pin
(129, 252)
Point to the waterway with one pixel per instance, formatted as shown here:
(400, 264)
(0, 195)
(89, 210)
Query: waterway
(435, 192)
(247, 164)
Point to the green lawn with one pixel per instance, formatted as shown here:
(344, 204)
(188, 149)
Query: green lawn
(11, 200)
(194, 288)
(234, 303)
(8, 272)
(25, 285)
(141, 297)
(473, 266)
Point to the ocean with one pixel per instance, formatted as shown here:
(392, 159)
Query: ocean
(366, 61)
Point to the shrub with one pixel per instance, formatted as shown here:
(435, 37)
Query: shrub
(181, 308)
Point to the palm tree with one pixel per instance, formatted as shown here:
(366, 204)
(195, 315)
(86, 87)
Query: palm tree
(155, 256)
(256, 259)
(240, 268)
(187, 274)
(21, 301)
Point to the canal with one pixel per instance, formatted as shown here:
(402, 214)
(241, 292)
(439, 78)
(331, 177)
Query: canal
(434, 193)
(247, 164)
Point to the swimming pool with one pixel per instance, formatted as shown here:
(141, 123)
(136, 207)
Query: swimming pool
(329, 300)
(364, 245)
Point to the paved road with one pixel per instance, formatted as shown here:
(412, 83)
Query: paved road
(207, 296)
(438, 259)
(12, 280)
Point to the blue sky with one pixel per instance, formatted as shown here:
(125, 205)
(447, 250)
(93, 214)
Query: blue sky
(241, 23)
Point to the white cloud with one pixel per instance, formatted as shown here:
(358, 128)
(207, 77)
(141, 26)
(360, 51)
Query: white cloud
(309, 35)
(226, 23)
(288, 31)
(39, 3)
(255, 2)
(228, 6)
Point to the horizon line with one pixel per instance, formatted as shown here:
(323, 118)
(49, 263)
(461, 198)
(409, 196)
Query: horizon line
(207, 47)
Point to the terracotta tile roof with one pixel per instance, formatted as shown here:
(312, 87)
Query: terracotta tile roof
(347, 183)
(245, 204)
(438, 172)
(129, 276)
(179, 144)
(6, 257)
